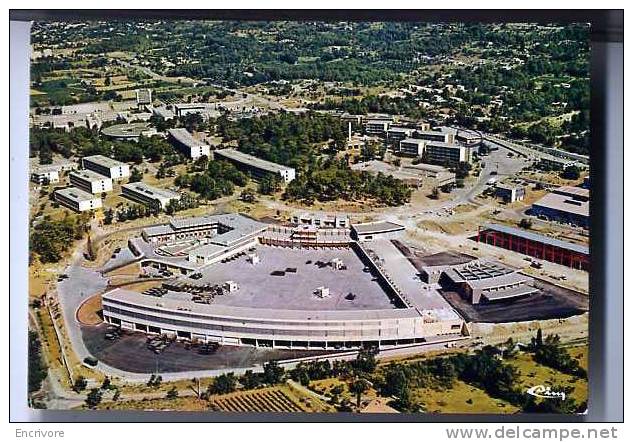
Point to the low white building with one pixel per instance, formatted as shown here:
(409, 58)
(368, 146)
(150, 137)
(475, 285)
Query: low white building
(90, 181)
(51, 172)
(77, 199)
(106, 166)
(43, 174)
(257, 167)
(149, 195)
(182, 140)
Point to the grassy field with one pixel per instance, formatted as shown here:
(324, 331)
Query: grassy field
(532, 374)
(462, 398)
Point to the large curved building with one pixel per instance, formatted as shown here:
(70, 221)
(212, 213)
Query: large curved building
(274, 288)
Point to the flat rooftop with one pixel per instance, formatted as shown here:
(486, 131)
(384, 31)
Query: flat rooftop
(414, 141)
(404, 275)
(377, 227)
(432, 133)
(564, 203)
(250, 160)
(239, 224)
(104, 161)
(183, 136)
(538, 238)
(443, 144)
(174, 301)
(126, 130)
(89, 175)
(150, 191)
(54, 167)
(480, 269)
(572, 190)
(75, 194)
(258, 288)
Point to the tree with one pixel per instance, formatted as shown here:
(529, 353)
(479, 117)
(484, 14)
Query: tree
(154, 381)
(135, 175)
(525, 223)
(435, 193)
(172, 393)
(94, 398)
(358, 387)
(80, 384)
(202, 163)
(365, 361)
(250, 380)
(571, 172)
(248, 196)
(273, 373)
(223, 384)
(269, 184)
(107, 384)
(108, 216)
(37, 369)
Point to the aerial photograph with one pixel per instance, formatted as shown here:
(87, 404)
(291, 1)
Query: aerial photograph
(309, 217)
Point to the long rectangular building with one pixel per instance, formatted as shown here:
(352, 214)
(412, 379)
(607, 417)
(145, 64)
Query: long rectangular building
(106, 166)
(183, 141)
(256, 166)
(535, 245)
(90, 181)
(77, 199)
(149, 195)
(435, 135)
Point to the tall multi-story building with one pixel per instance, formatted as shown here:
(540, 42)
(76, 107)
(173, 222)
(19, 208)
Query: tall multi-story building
(396, 134)
(411, 147)
(446, 154)
(377, 127)
(435, 136)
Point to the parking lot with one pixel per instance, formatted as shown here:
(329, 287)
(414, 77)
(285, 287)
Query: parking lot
(129, 352)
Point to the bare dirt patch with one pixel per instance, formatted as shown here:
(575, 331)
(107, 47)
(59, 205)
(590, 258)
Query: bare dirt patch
(89, 313)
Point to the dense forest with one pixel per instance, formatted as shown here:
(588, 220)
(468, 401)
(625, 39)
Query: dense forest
(80, 141)
(285, 138)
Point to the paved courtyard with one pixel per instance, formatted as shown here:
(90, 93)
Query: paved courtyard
(294, 291)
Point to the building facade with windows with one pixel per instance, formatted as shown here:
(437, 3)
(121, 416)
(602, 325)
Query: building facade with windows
(106, 166)
(90, 181)
(182, 140)
(411, 147)
(446, 154)
(257, 167)
(77, 199)
(149, 195)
